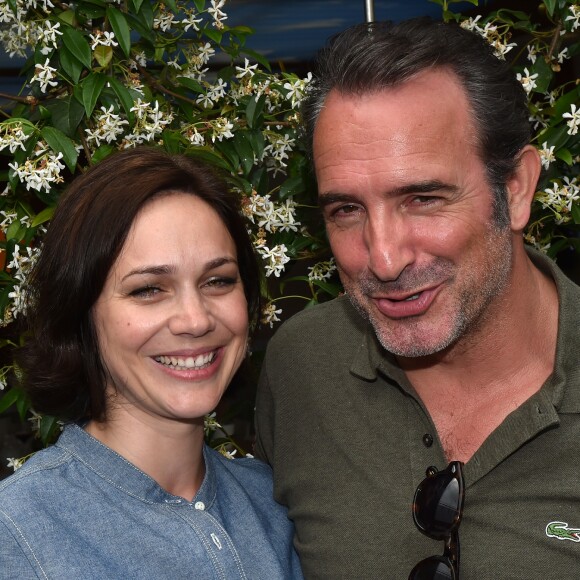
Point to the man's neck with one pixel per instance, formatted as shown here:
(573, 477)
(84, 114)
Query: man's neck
(472, 386)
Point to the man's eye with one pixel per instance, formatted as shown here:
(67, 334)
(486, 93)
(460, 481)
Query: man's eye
(425, 199)
(346, 210)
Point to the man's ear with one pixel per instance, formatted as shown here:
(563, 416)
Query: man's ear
(521, 187)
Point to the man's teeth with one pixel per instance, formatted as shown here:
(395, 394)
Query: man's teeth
(190, 362)
(414, 297)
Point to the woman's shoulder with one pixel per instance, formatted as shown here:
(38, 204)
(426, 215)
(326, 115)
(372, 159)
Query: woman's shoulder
(36, 477)
(248, 471)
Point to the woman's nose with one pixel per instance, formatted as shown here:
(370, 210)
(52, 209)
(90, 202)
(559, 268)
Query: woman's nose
(191, 315)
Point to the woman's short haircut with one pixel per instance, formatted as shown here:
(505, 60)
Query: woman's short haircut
(62, 369)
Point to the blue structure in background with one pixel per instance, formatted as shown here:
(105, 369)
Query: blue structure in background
(288, 31)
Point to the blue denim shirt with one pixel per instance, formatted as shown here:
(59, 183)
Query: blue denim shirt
(78, 510)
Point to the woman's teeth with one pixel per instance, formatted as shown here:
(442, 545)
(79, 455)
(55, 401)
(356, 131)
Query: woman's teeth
(190, 362)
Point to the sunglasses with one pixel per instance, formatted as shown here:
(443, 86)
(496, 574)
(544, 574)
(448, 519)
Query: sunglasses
(437, 511)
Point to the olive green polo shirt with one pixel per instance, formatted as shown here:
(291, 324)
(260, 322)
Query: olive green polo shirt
(349, 442)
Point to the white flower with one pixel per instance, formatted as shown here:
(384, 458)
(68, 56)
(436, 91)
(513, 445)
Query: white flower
(296, 90)
(246, 70)
(103, 39)
(574, 16)
(276, 258)
(563, 55)
(15, 463)
(191, 22)
(12, 136)
(546, 154)
(47, 36)
(528, 81)
(39, 172)
(532, 53)
(574, 122)
(222, 129)
(43, 74)
(108, 127)
(164, 21)
(216, 12)
(322, 270)
(269, 314)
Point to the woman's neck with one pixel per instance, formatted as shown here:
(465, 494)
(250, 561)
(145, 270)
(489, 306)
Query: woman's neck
(170, 452)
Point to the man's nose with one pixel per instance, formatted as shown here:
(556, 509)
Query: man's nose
(389, 247)
(191, 314)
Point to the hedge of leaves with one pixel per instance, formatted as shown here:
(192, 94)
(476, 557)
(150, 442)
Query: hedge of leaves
(103, 75)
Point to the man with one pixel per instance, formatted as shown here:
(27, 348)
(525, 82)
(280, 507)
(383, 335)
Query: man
(453, 342)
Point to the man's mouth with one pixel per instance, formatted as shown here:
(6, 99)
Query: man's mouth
(200, 361)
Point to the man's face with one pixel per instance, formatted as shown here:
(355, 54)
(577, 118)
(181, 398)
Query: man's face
(408, 211)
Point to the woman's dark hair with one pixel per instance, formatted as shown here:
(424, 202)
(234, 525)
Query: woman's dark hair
(367, 58)
(62, 369)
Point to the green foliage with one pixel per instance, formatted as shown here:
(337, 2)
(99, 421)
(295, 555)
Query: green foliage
(103, 75)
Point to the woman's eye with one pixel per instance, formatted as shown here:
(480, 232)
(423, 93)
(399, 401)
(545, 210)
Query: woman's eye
(145, 292)
(220, 282)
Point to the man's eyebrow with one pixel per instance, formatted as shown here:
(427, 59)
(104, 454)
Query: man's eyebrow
(423, 187)
(325, 199)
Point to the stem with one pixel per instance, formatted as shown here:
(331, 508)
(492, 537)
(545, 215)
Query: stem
(555, 41)
(29, 100)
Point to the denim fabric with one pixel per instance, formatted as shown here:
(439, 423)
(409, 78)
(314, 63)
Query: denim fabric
(78, 510)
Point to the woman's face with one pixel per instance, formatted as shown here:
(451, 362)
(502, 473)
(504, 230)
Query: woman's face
(172, 320)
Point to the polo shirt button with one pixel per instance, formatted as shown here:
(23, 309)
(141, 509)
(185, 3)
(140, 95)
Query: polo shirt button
(427, 440)
(199, 505)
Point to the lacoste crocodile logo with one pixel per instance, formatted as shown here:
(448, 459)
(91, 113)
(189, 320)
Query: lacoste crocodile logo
(561, 531)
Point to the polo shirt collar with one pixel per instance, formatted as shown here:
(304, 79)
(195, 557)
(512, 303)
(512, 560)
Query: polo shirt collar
(561, 389)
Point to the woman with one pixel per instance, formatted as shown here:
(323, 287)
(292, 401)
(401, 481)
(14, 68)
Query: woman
(140, 305)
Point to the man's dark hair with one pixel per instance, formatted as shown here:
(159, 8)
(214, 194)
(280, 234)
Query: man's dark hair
(61, 363)
(371, 57)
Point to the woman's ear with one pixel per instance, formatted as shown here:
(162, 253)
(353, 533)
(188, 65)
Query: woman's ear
(521, 187)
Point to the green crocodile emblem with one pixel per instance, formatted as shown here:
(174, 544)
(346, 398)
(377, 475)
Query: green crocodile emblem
(561, 531)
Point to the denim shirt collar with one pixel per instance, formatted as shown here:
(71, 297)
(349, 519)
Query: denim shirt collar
(125, 476)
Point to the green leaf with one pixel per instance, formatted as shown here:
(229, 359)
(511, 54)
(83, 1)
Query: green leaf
(214, 35)
(70, 65)
(259, 58)
(200, 5)
(550, 6)
(60, 143)
(292, 186)
(136, 4)
(103, 55)
(124, 97)
(102, 152)
(92, 87)
(77, 45)
(191, 84)
(257, 141)
(48, 427)
(172, 5)
(44, 216)
(9, 399)
(209, 156)
(244, 150)
(15, 231)
(120, 28)
(545, 74)
(576, 213)
(565, 156)
(254, 111)
(66, 114)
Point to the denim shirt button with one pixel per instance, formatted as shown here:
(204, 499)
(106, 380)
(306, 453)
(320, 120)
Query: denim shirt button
(199, 505)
